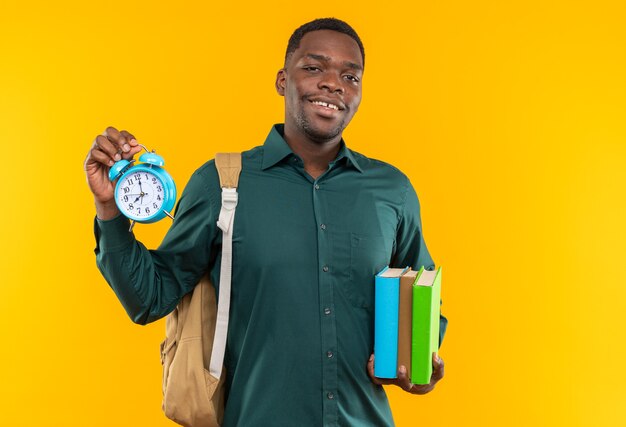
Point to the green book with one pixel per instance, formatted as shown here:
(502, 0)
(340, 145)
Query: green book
(425, 331)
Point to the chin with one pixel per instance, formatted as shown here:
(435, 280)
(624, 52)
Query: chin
(322, 133)
(322, 136)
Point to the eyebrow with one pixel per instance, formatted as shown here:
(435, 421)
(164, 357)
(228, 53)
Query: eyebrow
(323, 58)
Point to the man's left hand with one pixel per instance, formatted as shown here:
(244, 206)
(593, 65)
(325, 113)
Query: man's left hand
(403, 378)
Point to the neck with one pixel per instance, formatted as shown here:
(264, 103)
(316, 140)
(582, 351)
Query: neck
(316, 155)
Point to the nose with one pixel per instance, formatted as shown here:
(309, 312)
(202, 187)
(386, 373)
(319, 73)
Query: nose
(332, 82)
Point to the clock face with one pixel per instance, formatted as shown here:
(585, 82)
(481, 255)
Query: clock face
(140, 195)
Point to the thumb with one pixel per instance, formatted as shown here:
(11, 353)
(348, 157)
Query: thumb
(370, 370)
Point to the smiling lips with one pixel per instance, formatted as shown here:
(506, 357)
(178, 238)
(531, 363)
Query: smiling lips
(327, 105)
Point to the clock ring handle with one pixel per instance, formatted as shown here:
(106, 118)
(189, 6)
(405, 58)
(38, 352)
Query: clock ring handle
(144, 147)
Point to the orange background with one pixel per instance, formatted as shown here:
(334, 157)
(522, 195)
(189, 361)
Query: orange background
(507, 116)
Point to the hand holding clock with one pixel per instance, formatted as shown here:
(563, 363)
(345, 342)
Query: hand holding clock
(113, 177)
(112, 145)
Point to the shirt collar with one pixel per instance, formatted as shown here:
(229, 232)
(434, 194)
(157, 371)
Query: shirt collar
(276, 149)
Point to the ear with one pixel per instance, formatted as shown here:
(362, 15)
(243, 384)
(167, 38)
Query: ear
(281, 78)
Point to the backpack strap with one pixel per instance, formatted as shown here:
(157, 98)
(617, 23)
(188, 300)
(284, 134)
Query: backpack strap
(228, 168)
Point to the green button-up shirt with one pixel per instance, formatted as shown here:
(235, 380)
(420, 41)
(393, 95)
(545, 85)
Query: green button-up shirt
(305, 252)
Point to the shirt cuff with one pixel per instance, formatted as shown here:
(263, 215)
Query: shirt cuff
(113, 234)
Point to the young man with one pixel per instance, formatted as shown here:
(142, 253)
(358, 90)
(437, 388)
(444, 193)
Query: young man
(315, 221)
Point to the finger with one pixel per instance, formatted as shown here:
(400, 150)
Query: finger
(370, 371)
(125, 139)
(438, 368)
(403, 379)
(129, 145)
(133, 150)
(111, 134)
(98, 156)
(105, 145)
(421, 389)
(130, 138)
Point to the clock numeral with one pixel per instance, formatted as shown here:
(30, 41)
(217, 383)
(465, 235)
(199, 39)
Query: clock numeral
(154, 181)
(126, 189)
(126, 198)
(137, 177)
(147, 210)
(158, 197)
(154, 205)
(130, 181)
(131, 206)
(159, 189)
(147, 177)
(138, 210)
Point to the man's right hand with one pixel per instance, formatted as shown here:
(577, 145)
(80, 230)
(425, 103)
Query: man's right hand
(109, 147)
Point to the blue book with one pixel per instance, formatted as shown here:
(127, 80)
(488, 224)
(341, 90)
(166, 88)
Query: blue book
(387, 298)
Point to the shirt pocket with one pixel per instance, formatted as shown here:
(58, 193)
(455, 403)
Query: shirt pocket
(369, 253)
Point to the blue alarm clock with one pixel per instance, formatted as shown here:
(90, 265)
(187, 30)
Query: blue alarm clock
(144, 192)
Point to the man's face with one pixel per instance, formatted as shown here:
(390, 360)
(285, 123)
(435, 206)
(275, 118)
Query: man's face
(321, 83)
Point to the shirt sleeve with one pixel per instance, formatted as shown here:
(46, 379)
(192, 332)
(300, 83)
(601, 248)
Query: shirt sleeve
(411, 248)
(150, 283)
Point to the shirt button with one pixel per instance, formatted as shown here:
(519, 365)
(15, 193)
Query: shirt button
(325, 269)
(323, 226)
(327, 311)
(330, 395)
(329, 354)
(317, 187)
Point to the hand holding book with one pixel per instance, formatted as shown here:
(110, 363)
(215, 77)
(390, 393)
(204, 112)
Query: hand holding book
(403, 380)
(406, 336)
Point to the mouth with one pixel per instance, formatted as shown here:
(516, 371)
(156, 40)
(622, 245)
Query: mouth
(327, 105)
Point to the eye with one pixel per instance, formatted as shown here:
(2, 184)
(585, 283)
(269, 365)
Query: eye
(311, 68)
(353, 79)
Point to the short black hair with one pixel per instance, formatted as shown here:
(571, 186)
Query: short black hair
(332, 24)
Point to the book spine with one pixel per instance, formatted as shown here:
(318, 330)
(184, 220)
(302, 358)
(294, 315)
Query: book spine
(405, 321)
(421, 363)
(386, 326)
(425, 336)
(435, 314)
